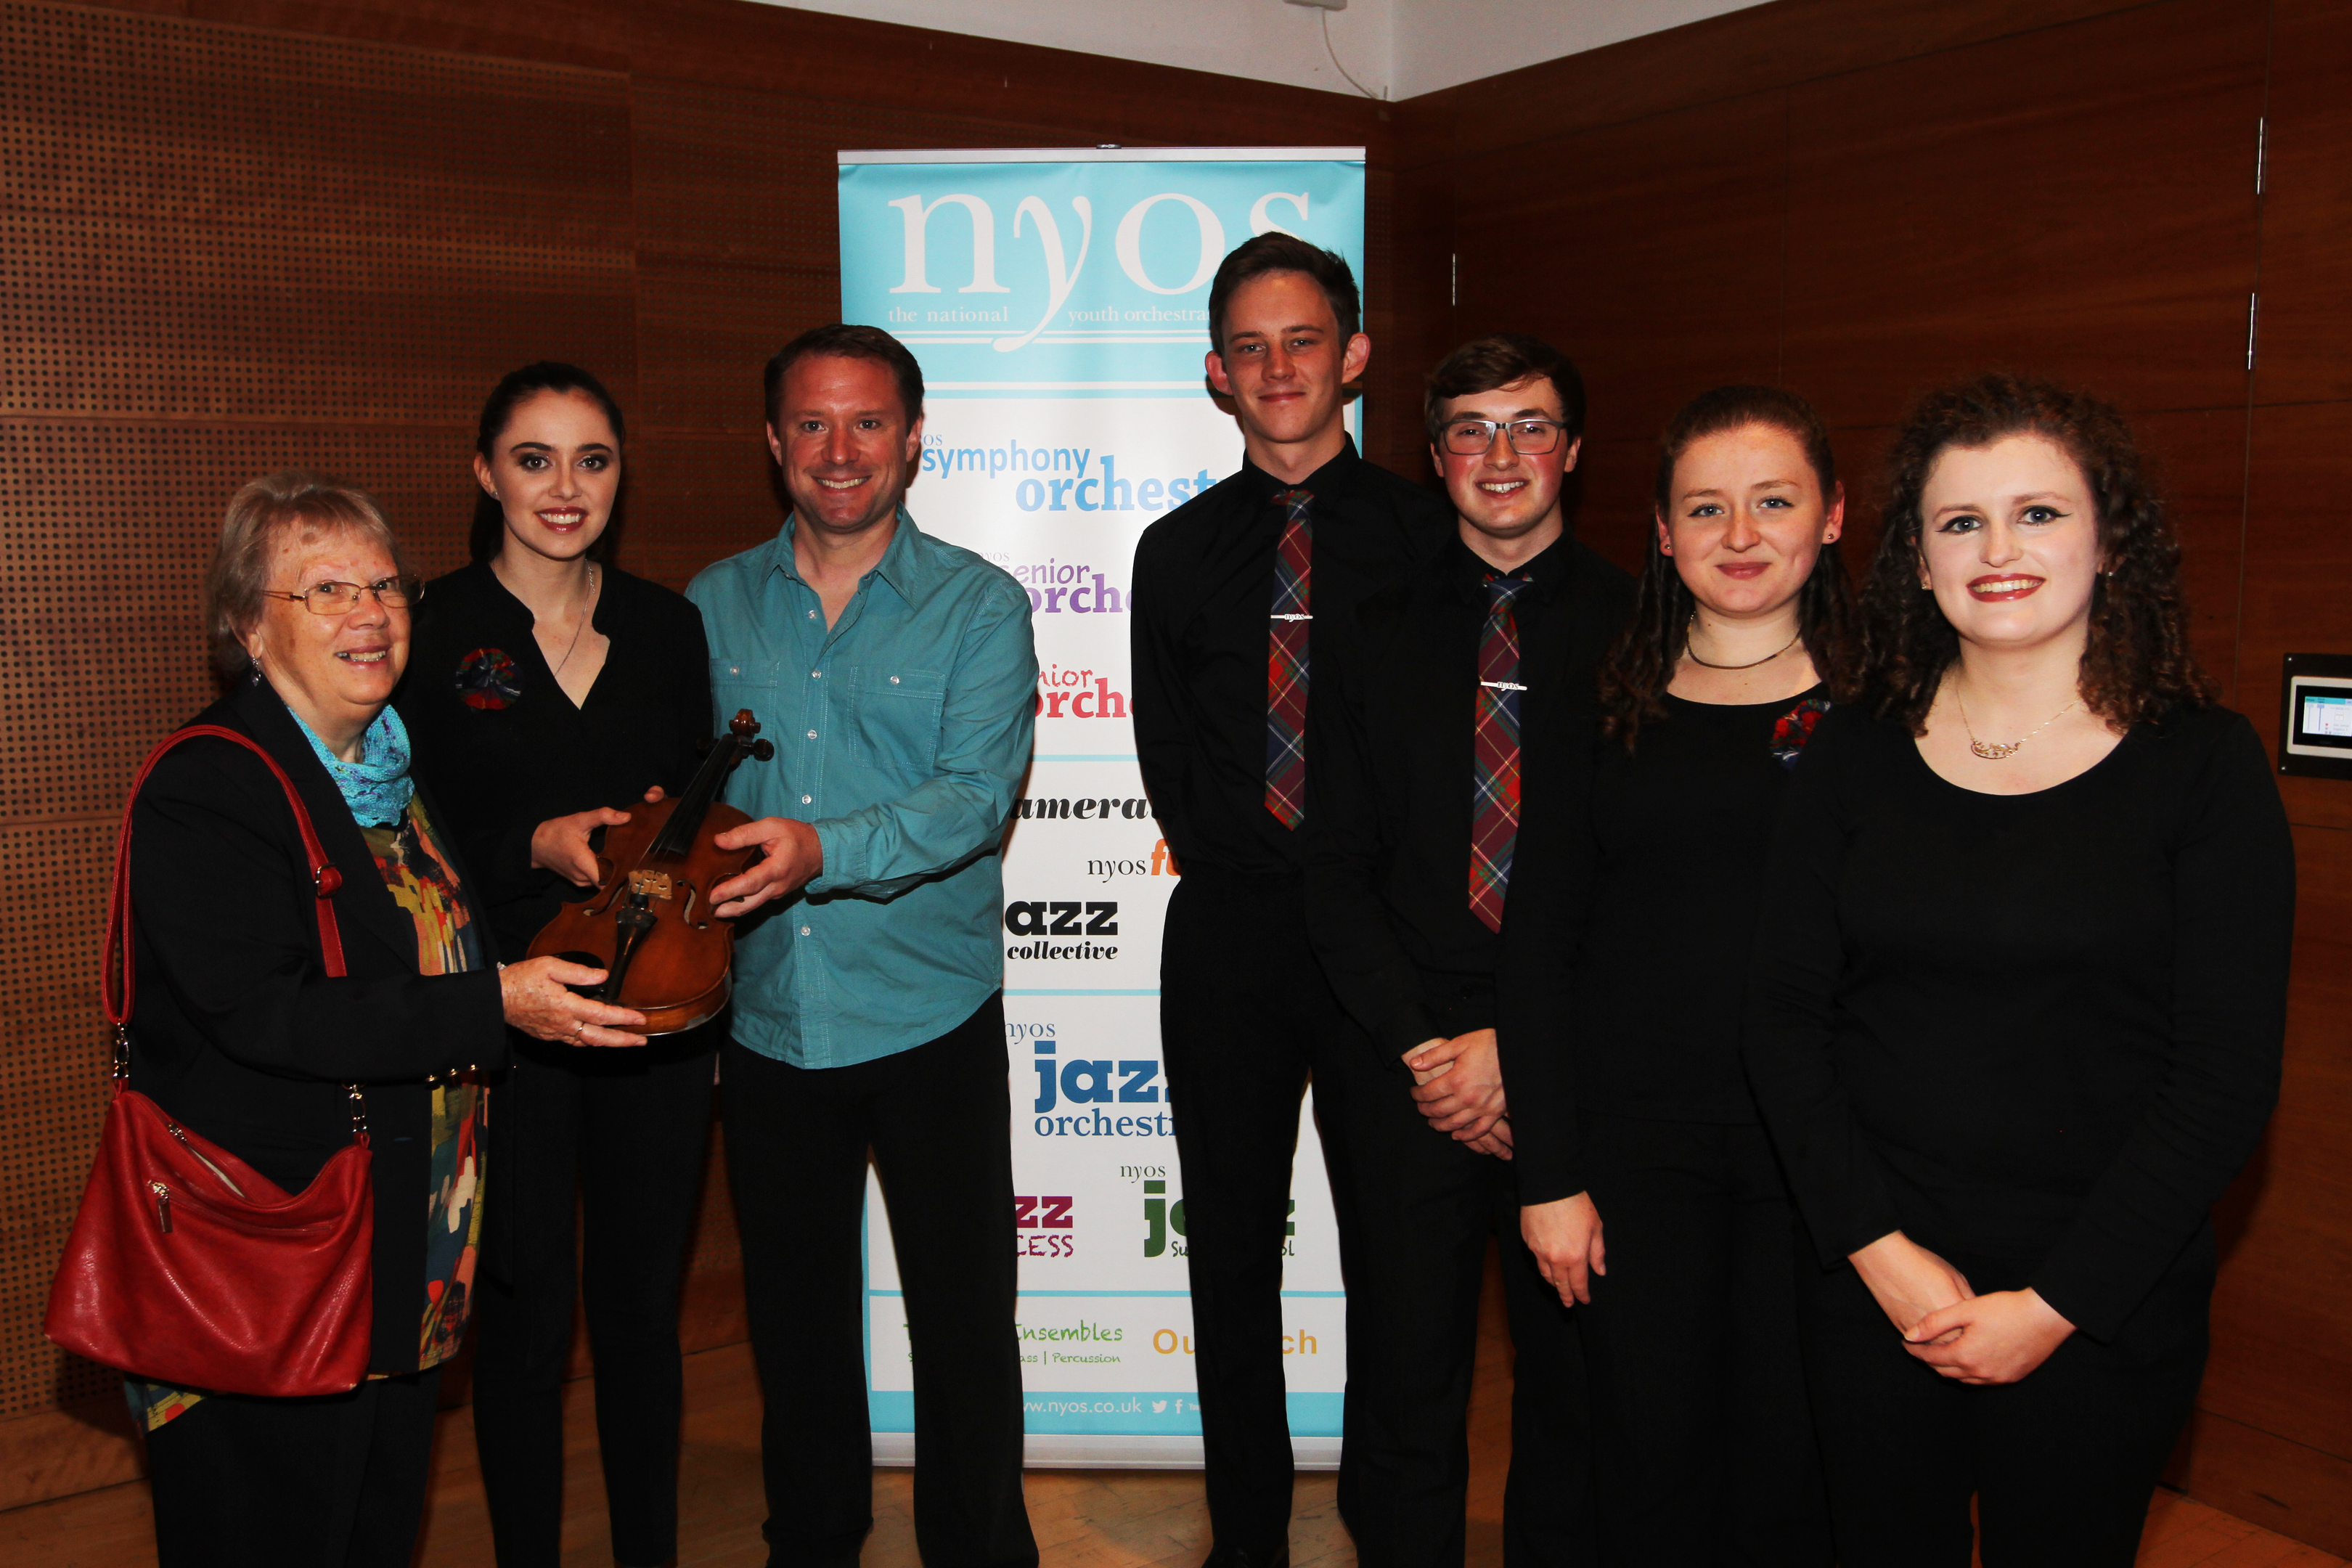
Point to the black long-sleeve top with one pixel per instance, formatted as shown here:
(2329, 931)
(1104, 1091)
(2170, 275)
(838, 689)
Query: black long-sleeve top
(503, 747)
(1389, 810)
(1203, 590)
(2040, 1029)
(238, 1030)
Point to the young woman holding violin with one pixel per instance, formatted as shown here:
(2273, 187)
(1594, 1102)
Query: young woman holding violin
(548, 694)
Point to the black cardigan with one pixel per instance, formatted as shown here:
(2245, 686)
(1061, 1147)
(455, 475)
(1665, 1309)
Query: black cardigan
(238, 1031)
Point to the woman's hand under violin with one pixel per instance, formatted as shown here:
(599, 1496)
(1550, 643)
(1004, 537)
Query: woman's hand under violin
(560, 843)
(539, 1003)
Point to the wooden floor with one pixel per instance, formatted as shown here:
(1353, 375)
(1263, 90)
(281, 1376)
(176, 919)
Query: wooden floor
(1084, 1519)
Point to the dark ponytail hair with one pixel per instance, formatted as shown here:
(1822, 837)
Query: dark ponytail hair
(1634, 677)
(512, 391)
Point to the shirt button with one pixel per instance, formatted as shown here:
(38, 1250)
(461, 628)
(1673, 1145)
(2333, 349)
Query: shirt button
(812, 614)
(894, 680)
(805, 931)
(816, 675)
(804, 800)
(812, 734)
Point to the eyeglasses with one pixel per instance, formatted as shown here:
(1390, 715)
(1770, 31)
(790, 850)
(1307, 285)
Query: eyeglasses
(343, 599)
(1529, 438)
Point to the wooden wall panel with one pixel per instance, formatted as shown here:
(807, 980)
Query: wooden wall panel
(2306, 327)
(1944, 217)
(1651, 253)
(233, 223)
(2298, 563)
(2282, 1358)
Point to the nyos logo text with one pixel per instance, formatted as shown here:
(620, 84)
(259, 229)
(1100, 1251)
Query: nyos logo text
(1176, 263)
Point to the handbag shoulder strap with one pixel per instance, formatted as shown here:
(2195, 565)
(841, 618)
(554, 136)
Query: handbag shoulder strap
(116, 982)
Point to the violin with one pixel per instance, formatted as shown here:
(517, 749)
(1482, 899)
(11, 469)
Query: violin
(647, 922)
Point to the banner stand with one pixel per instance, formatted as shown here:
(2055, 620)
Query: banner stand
(1057, 301)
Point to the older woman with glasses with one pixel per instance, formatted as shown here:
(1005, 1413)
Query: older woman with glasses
(240, 1033)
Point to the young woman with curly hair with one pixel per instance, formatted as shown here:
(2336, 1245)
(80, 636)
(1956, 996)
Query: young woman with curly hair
(2014, 1015)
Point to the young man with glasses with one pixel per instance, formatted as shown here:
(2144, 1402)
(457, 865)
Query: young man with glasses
(1238, 594)
(1455, 710)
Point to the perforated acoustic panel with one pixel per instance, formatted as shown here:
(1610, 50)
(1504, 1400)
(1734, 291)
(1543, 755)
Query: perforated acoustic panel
(224, 252)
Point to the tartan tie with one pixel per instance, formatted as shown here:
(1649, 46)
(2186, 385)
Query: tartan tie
(1494, 755)
(1286, 663)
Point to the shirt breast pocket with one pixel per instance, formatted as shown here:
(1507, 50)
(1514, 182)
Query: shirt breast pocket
(738, 683)
(895, 717)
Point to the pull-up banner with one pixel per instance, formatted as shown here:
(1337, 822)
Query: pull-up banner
(1058, 300)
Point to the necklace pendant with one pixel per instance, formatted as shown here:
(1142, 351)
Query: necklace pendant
(1993, 751)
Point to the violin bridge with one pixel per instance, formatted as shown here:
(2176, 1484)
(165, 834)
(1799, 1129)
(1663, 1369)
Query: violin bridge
(650, 884)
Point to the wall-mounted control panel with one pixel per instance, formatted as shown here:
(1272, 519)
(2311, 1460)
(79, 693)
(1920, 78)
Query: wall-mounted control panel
(2316, 716)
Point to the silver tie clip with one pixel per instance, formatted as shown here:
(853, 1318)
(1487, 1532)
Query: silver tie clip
(1504, 685)
(1290, 618)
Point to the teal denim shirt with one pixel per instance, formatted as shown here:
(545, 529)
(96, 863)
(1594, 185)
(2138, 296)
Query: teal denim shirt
(901, 734)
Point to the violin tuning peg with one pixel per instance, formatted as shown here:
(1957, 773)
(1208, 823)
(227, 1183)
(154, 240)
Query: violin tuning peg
(763, 750)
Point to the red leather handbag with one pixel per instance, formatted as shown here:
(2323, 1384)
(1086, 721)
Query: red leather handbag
(186, 1264)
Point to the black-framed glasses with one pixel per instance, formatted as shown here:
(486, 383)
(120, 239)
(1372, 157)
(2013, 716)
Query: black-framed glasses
(1529, 438)
(343, 599)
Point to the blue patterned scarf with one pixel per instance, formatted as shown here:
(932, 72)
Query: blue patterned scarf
(377, 787)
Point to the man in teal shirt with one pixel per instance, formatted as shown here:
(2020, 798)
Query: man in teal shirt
(897, 678)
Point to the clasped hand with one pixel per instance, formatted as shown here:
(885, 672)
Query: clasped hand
(1458, 1084)
(1998, 1337)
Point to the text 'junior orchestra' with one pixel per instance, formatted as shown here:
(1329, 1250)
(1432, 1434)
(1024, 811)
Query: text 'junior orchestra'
(1846, 1003)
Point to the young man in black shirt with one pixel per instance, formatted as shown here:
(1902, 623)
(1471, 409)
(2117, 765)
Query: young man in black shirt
(1238, 595)
(1455, 711)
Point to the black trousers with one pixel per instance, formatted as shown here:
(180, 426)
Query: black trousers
(938, 1120)
(335, 1481)
(627, 1131)
(2062, 1464)
(1703, 1439)
(1245, 1019)
(1424, 1207)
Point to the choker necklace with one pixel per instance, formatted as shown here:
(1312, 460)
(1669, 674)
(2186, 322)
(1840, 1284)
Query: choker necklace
(1768, 658)
(1994, 750)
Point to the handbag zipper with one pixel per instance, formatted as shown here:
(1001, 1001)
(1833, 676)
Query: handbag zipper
(163, 1204)
(173, 1128)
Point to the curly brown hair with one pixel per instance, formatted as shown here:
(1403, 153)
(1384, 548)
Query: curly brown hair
(1640, 666)
(2137, 662)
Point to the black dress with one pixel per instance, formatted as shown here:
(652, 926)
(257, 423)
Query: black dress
(505, 749)
(1702, 1443)
(2039, 1034)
